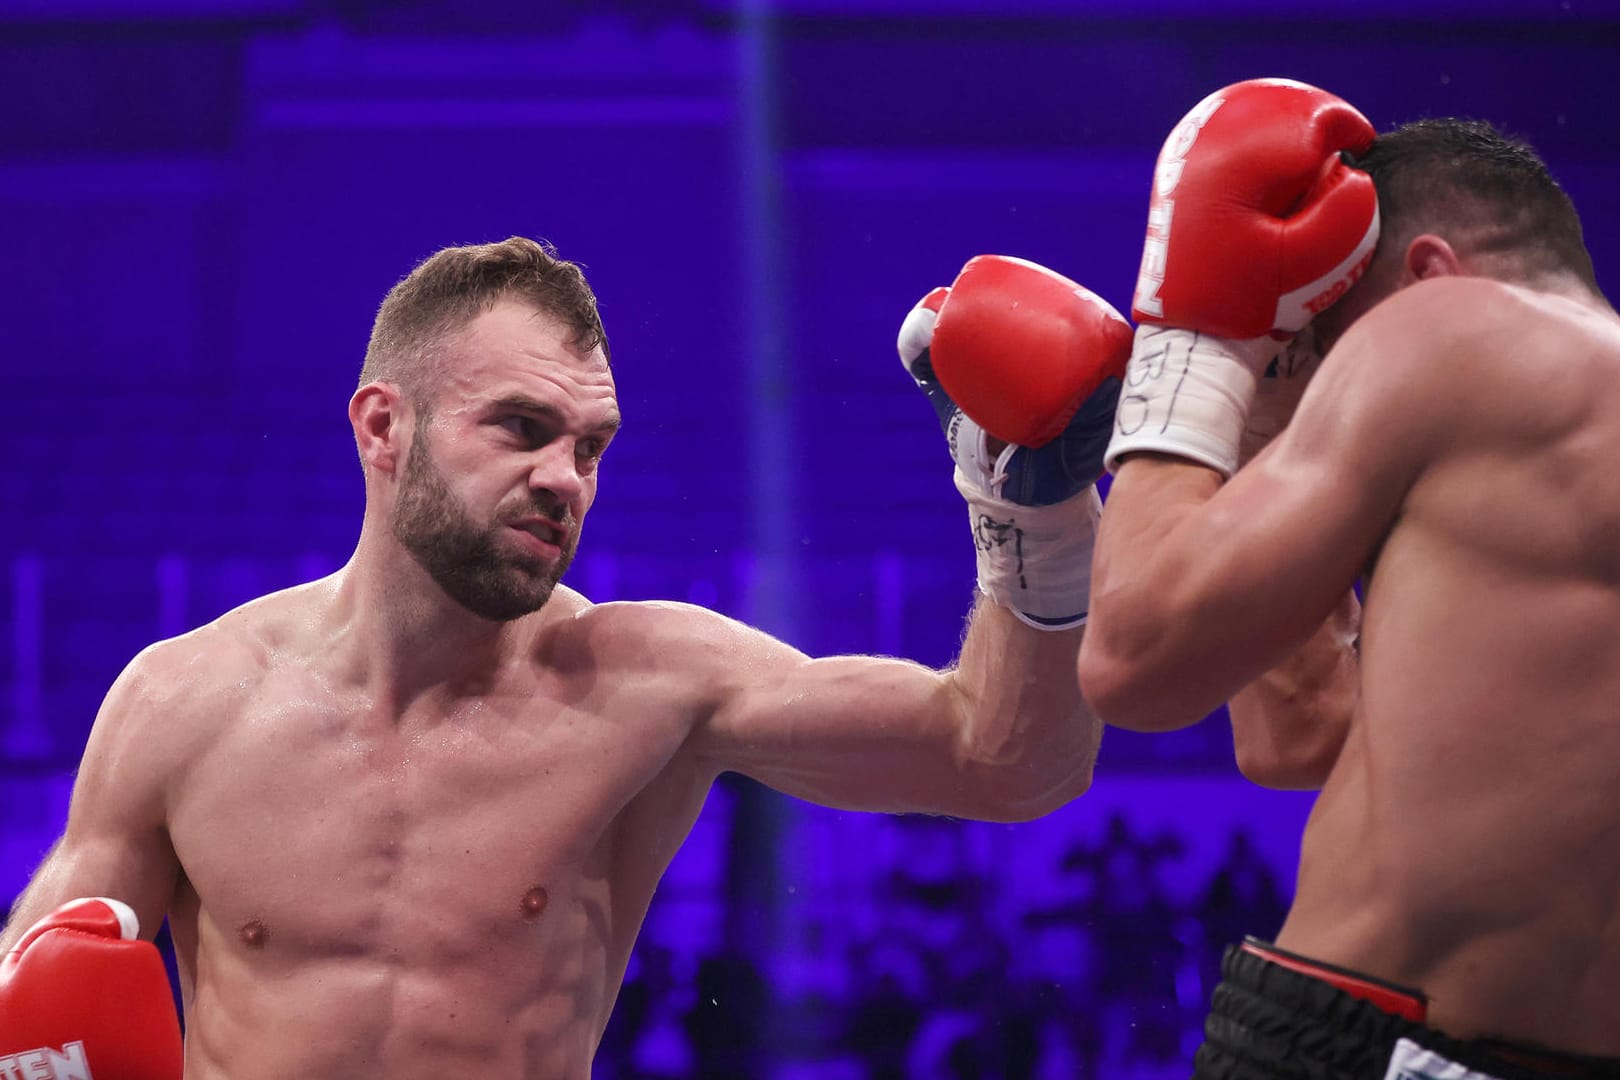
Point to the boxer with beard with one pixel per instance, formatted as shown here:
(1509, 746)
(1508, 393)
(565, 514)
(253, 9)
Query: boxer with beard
(407, 820)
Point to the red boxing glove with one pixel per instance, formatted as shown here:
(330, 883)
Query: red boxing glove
(80, 995)
(1019, 347)
(1255, 224)
(1019, 352)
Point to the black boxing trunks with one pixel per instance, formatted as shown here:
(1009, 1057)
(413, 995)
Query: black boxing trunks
(1277, 1015)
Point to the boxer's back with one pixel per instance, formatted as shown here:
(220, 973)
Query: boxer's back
(1477, 785)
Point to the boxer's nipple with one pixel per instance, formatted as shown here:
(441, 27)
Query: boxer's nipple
(254, 934)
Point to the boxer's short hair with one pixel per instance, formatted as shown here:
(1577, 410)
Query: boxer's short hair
(451, 287)
(1491, 190)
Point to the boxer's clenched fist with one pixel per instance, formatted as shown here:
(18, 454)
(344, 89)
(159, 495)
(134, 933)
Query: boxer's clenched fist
(1020, 348)
(1255, 225)
(1013, 351)
(81, 995)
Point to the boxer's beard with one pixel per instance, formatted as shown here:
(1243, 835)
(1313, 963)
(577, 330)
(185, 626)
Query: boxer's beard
(465, 559)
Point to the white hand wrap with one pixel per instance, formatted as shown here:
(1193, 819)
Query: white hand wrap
(1188, 394)
(1033, 560)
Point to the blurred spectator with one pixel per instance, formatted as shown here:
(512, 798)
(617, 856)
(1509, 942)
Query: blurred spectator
(727, 1024)
(1242, 898)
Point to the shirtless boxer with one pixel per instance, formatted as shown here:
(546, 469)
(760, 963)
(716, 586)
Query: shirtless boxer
(406, 820)
(1457, 913)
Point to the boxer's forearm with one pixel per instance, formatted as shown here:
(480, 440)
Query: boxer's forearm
(1289, 725)
(1187, 601)
(1148, 663)
(1025, 727)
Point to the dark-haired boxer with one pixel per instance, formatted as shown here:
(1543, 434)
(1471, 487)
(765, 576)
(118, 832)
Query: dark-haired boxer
(406, 820)
(1458, 905)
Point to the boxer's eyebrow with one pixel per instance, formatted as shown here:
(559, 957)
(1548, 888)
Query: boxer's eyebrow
(524, 403)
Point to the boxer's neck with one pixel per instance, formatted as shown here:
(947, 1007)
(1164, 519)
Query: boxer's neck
(398, 635)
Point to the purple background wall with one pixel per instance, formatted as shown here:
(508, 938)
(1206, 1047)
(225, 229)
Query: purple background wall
(203, 201)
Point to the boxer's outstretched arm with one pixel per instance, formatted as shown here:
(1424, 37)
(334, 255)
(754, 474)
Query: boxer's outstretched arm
(1003, 736)
(116, 842)
(1021, 367)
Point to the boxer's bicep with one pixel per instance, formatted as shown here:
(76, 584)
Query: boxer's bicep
(116, 841)
(1319, 502)
(1004, 736)
(1299, 524)
(860, 733)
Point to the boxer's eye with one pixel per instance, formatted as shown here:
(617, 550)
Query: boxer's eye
(525, 429)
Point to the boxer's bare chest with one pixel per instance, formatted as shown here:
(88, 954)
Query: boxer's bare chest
(317, 825)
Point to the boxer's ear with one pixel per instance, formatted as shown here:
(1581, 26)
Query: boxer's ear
(1429, 256)
(375, 412)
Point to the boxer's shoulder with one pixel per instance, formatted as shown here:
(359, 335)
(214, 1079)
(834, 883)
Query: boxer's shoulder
(652, 636)
(1455, 309)
(236, 644)
(1446, 347)
(1481, 340)
(1421, 316)
(224, 659)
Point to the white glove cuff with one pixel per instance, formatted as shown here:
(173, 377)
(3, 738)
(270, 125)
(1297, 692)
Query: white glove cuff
(1035, 560)
(1188, 394)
